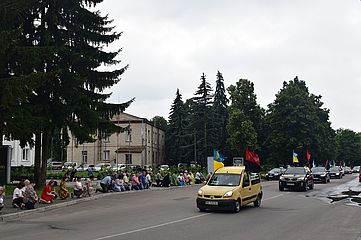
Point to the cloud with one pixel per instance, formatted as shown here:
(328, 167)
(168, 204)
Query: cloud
(169, 44)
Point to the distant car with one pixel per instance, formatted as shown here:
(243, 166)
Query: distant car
(164, 167)
(275, 173)
(69, 166)
(356, 169)
(84, 167)
(55, 165)
(299, 178)
(335, 172)
(118, 167)
(101, 166)
(320, 174)
(348, 170)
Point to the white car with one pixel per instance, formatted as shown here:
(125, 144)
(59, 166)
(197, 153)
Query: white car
(99, 166)
(118, 167)
(69, 166)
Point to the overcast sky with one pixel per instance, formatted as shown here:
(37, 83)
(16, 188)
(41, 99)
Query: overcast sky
(168, 44)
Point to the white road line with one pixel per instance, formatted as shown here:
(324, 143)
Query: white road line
(151, 227)
(277, 196)
(169, 223)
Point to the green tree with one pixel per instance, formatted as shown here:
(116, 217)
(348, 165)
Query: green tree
(175, 134)
(348, 147)
(72, 98)
(220, 115)
(298, 122)
(201, 121)
(245, 117)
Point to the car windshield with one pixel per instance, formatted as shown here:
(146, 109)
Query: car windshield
(295, 171)
(318, 169)
(274, 170)
(225, 179)
(334, 169)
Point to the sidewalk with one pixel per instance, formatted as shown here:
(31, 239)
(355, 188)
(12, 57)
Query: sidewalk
(10, 213)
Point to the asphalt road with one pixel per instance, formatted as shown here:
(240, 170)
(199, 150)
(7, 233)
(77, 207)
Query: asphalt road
(171, 214)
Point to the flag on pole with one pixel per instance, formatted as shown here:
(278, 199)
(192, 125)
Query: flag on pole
(253, 163)
(295, 159)
(217, 160)
(308, 155)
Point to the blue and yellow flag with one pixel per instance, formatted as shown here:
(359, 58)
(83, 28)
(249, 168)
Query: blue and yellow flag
(217, 160)
(295, 159)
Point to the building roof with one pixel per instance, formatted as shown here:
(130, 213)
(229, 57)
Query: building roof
(130, 149)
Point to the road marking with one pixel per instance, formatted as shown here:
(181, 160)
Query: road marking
(277, 196)
(151, 227)
(169, 223)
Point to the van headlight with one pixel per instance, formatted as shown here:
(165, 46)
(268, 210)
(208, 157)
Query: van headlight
(200, 192)
(228, 194)
(300, 179)
(337, 173)
(282, 178)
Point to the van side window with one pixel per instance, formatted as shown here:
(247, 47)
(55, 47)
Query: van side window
(245, 180)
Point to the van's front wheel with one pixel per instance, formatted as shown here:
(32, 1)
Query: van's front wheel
(237, 206)
(258, 200)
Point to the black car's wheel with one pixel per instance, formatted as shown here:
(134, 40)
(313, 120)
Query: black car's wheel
(281, 188)
(202, 209)
(258, 200)
(237, 206)
(329, 179)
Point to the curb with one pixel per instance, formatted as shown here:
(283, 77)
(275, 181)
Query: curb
(18, 215)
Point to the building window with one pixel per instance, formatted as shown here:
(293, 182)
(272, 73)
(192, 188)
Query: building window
(149, 136)
(106, 155)
(106, 137)
(128, 158)
(25, 156)
(11, 152)
(84, 156)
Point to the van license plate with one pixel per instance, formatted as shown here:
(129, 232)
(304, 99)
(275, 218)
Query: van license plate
(211, 203)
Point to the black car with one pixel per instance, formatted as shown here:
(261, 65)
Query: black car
(335, 172)
(274, 174)
(299, 178)
(320, 174)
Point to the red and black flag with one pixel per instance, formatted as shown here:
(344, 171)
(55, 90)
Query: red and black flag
(253, 164)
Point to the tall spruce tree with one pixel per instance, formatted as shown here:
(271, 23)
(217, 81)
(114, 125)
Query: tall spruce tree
(220, 115)
(175, 135)
(73, 97)
(201, 122)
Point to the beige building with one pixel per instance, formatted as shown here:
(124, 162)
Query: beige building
(143, 144)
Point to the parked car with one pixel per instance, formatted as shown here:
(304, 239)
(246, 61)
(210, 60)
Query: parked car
(69, 166)
(275, 173)
(347, 170)
(335, 172)
(356, 169)
(100, 166)
(84, 167)
(296, 178)
(118, 167)
(320, 174)
(55, 165)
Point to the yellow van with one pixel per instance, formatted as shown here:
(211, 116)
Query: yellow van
(229, 188)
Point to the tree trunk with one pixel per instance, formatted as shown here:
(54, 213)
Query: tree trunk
(44, 158)
(37, 160)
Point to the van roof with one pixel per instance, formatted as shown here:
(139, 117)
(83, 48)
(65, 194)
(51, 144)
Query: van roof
(232, 169)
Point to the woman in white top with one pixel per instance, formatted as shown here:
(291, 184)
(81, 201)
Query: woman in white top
(18, 198)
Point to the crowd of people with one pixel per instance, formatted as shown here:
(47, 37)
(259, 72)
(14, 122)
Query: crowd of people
(25, 196)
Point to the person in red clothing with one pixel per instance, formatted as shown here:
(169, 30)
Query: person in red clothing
(48, 195)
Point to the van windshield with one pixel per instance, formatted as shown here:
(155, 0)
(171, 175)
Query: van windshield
(225, 179)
